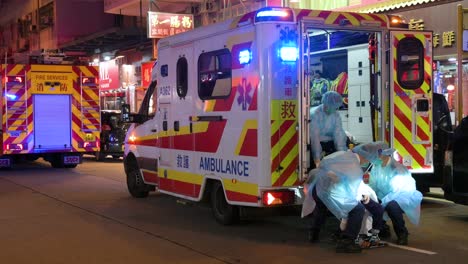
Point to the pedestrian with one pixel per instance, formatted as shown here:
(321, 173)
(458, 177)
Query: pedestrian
(334, 186)
(395, 187)
(326, 130)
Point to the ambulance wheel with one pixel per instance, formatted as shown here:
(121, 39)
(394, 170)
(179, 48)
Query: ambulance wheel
(223, 212)
(135, 184)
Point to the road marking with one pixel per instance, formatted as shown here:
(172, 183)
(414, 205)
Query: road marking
(412, 249)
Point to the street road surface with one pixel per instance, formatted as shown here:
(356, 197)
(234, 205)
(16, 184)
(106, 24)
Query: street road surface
(86, 215)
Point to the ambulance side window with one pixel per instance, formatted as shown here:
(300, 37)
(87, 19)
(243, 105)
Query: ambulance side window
(182, 77)
(214, 74)
(410, 63)
(148, 105)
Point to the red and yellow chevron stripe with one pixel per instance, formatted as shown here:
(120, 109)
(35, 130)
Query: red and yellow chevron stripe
(407, 144)
(21, 131)
(284, 143)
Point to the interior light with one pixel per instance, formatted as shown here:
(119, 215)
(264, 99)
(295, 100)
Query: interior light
(452, 59)
(450, 87)
(289, 53)
(245, 56)
(106, 58)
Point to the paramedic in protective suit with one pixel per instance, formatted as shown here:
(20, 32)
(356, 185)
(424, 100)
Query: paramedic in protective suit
(334, 186)
(395, 187)
(326, 130)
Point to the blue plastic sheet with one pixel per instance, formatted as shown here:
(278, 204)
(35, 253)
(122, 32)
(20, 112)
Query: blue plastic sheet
(395, 183)
(325, 127)
(337, 180)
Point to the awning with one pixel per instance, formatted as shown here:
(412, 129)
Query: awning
(385, 6)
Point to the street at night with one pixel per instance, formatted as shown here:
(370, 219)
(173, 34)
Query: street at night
(86, 215)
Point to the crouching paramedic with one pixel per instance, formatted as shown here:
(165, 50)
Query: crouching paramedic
(334, 187)
(395, 187)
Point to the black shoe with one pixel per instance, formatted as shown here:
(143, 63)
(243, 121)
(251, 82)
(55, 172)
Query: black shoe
(314, 235)
(347, 245)
(336, 236)
(402, 239)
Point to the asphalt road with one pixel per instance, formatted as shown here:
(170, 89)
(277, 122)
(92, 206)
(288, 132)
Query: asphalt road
(85, 215)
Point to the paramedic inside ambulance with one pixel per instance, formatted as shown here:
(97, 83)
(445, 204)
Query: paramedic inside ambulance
(326, 131)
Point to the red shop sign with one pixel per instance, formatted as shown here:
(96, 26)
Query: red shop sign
(161, 25)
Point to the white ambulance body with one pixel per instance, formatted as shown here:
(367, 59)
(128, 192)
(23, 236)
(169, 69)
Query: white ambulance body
(227, 116)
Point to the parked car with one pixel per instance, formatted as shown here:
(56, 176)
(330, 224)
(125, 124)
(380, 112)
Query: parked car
(113, 132)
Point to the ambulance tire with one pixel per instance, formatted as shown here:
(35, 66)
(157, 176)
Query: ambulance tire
(136, 187)
(223, 212)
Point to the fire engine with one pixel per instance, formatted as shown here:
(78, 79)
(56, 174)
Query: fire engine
(49, 111)
(227, 115)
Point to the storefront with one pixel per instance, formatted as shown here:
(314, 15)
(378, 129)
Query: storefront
(442, 20)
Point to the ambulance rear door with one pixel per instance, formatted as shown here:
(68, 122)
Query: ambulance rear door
(410, 122)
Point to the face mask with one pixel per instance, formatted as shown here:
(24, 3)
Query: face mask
(329, 110)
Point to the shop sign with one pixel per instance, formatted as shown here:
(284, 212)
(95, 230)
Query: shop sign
(446, 39)
(146, 68)
(108, 75)
(161, 25)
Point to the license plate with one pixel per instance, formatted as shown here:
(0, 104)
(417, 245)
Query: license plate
(71, 159)
(4, 163)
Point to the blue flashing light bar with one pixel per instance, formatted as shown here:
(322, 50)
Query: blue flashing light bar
(289, 53)
(274, 14)
(245, 56)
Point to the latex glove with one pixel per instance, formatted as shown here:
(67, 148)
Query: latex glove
(317, 163)
(365, 199)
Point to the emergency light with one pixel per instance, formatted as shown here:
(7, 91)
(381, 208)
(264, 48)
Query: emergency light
(11, 96)
(289, 53)
(245, 56)
(274, 14)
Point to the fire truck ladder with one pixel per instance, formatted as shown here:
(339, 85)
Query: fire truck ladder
(16, 99)
(90, 114)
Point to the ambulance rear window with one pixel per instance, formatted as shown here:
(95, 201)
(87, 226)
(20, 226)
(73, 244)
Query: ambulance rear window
(214, 74)
(410, 63)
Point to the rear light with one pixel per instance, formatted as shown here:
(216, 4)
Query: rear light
(283, 197)
(15, 147)
(90, 144)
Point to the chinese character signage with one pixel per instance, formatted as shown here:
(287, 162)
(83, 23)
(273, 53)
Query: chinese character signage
(146, 73)
(161, 25)
(109, 75)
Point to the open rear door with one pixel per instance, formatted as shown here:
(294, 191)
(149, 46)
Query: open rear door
(411, 99)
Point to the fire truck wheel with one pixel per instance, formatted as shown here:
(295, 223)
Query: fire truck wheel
(135, 184)
(223, 212)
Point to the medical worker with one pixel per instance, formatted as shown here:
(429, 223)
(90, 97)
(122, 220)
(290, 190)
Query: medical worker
(396, 189)
(326, 131)
(334, 187)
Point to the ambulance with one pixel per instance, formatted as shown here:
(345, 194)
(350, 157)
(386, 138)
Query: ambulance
(49, 111)
(226, 117)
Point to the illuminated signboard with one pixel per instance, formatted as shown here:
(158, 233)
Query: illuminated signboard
(161, 25)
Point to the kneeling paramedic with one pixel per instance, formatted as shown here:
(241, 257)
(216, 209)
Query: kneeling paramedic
(395, 187)
(334, 187)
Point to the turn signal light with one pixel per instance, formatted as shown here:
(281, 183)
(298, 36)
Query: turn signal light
(283, 197)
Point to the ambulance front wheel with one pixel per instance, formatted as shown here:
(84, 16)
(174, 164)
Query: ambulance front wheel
(223, 212)
(135, 184)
